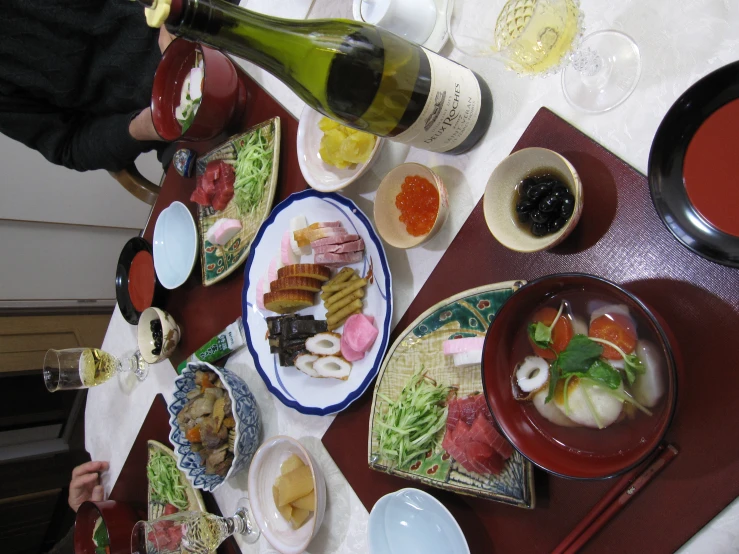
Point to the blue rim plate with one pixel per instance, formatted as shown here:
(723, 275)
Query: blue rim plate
(294, 389)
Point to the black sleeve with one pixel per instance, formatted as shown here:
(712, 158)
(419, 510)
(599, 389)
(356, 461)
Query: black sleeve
(65, 545)
(77, 141)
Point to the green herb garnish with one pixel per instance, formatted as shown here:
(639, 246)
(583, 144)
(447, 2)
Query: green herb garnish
(633, 366)
(410, 426)
(541, 334)
(164, 478)
(253, 167)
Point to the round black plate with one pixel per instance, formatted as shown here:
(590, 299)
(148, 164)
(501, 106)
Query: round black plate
(132, 247)
(666, 158)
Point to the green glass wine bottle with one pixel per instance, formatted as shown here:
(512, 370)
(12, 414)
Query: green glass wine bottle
(353, 72)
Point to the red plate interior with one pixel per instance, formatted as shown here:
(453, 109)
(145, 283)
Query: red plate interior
(570, 452)
(710, 169)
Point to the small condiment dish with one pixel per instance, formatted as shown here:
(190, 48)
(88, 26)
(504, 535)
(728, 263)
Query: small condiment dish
(499, 204)
(411, 520)
(145, 336)
(387, 214)
(317, 173)
(175, 245)
(264, 470)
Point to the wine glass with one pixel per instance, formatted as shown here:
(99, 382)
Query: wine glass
(539, 37)
(80, 368)
(191, 532)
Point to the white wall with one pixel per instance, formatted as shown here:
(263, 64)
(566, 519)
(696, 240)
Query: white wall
(61, 231)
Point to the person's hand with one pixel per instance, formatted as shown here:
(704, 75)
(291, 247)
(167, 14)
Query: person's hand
(142, 128)
(85, 484)
(164, 38)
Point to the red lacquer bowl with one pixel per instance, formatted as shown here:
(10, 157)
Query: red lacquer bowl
(119, 519)
(223, 100)
(574, 452)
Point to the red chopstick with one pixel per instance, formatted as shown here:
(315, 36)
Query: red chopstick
(615, 499)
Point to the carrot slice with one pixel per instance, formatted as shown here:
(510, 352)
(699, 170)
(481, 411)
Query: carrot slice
(561, 334)
(615, 328)
(193, 435)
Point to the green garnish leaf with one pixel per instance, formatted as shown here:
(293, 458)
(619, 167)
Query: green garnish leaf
(602, 372)
(554, 377)
(540, 334)
(633, 366)
(579, 355)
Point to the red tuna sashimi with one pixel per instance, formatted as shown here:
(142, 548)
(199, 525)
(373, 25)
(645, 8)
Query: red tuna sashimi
(200, 197)
(461, 434)
(467, 411)
(493, 464)
(222, 198)
(483, 431)
(452, 417)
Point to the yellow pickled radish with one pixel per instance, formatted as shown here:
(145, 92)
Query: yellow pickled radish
(343, 146)
(357, 148)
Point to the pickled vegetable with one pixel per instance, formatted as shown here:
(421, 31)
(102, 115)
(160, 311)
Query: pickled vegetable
(343, 146)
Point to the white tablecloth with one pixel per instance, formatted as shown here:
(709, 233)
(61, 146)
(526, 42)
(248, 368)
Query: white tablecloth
(679, 41)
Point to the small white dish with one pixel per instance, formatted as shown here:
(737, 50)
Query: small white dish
(317, 173)
(411, 521)
(145, 336)
(175, 245)
(439, 34)
(264, 469)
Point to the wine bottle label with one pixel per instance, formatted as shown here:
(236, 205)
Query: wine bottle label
(451, 109)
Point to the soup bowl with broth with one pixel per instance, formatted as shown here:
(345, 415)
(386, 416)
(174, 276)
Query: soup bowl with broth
(579, 375)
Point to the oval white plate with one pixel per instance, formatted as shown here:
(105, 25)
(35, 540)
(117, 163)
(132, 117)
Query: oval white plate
(175, 245)
(306, 394)
(411, 520)
(318, 174)
(439, 34)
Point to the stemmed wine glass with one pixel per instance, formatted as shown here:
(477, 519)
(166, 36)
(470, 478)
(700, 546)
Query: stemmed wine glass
(539, 37)
(81, 368)
(191, 532)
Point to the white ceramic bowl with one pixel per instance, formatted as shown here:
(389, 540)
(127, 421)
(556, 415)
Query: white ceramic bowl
(145, 337)
(175, 245)
(410, 521)
(317, 173)
(499, 204)
(264, 469)
(387, 215)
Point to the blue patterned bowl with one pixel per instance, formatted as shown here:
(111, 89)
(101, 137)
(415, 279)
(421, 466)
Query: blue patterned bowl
(248, 426)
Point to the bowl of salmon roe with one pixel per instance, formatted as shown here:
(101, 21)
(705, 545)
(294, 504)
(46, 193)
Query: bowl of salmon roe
(411, 205)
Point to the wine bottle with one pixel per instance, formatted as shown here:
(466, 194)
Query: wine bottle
(353, 72)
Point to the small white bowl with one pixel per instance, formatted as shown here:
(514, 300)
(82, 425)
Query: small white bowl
(387, 215)
(499, 203)
(317, 173)
(175, 245)
(145, 337)
(264, 469)
(411, 520)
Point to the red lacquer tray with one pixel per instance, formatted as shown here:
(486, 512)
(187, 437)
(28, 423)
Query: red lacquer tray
(620, 237)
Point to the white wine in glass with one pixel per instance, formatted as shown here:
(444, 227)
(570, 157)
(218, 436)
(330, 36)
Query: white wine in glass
(534, 36)
(79, 368)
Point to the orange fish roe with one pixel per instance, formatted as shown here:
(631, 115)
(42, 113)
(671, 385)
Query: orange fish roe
(418, 202)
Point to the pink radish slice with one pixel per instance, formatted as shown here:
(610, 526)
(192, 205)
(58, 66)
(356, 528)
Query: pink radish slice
(456, 346)
(287, 256)
(274, 265)
(350, 355)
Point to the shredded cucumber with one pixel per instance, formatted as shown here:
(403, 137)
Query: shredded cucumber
(410, 426)
(253, 167)
(164, 478)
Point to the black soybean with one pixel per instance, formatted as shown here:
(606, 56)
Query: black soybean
(539, 229)
(537, 192)
(556, 224)
(539, 217)
(524, 217)
(567, 206)
(525, 185)
(560, 190)
(549, 204)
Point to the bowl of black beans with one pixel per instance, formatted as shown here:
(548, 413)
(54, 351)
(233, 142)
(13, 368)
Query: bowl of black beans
(533, 200)
(157, 334)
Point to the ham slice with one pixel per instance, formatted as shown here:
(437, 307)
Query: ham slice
(354, 246)
(338, 260)
(335, 239)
